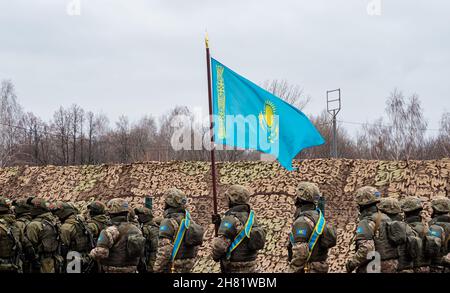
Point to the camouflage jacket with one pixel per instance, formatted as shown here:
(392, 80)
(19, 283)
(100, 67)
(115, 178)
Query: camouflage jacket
(96, 224)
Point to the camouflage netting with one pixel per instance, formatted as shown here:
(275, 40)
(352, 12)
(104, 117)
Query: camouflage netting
(272, 188)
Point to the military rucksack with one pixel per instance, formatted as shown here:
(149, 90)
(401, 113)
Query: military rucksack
(414, 245)
(84, 240)
(135, 245)
(50, 237)
(8, 242)
(433, 241)
(194, 235)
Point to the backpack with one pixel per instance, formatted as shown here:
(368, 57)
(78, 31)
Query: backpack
(414, 246)
(194, 235)
(396, 231)
(433, 241)
(50, 237)
(8, 242)
(135, 245)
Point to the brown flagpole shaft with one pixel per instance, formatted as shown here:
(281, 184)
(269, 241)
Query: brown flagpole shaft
(211, 131)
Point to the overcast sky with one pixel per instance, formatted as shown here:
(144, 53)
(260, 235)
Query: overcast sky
(144, 57)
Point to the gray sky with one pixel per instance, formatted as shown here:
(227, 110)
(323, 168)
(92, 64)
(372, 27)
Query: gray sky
(144, 57)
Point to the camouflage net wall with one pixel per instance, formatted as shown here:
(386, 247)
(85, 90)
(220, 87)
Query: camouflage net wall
(272, 187)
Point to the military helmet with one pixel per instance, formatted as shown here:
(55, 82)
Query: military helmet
(307, 191)
(367, 195)
(411, 203)
(96, 207)
(5, 204)
(63, 209)
(175, 198)
(389, 205)
(21, 206)
(441, 204)
(40, 206)
(117, 205)
(238, 194)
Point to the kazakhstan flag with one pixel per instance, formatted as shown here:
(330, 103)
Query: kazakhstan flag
(249, 117)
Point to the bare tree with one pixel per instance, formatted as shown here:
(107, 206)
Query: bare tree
(10, 118)
(292, 94)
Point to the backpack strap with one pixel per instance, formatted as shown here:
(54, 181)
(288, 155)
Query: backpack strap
(184, 225)
(245, 232)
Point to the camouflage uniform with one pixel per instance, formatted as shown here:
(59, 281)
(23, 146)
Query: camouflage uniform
(97, 219)
(10, 240)
(112, 250)
(305, 219)
(440, 219)
(174, 212)
(150, 230)
(42, 242)
(243, 258)
(74, 234)
(370, 234)
(412, 207)
(22, 211)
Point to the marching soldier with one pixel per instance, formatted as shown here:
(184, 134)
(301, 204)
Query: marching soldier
(440, 228)
(311, 237)
(22, 211)
(412, 207)
(367, 239)
(98, 220)
(179, 236)
(121, 245)
(150, 230)
(42, 242)
(75, 236)
(10, 239)
(240, 237)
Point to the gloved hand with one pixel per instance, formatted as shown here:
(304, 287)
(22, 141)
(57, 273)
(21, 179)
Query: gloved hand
(350, 266)
(216, 220)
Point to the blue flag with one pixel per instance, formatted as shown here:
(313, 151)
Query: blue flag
(249, 117)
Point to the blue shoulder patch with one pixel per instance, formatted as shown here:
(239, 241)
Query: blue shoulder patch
(163, 228)
(226, 224)
(359, 230)
(301, 232)
(435, 233)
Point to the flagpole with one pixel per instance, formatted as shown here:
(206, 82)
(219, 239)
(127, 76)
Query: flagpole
(211, 130)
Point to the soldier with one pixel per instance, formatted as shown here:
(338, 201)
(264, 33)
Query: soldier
(440, 229)
(98, 220)
(22, 211)
(412, 207)
(367, 237)
(311, 237)
(240, 237)
(121, 245)
(150, 231)
(42, 239)
(179, 236)
(75, 236)
(10, 239)
(399, 234)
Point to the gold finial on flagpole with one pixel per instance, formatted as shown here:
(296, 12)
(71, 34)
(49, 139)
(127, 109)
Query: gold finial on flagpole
(206, 40)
